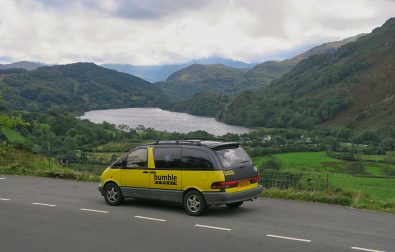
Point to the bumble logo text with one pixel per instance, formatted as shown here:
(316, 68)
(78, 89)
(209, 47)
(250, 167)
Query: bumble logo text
(165, 179)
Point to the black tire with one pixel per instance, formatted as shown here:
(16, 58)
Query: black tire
(235, 205)
(113, 194)
(194, 203)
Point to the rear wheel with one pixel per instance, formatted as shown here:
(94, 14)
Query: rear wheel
(194, 203)
(234, 205)
(113, 194)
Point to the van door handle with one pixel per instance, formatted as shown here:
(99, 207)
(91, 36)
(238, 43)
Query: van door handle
(153, 172)
(145, 172)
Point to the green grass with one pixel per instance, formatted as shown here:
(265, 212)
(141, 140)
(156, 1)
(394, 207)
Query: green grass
(378, 188)
(361, 179)
(353, 199)
(302, 161)
(322, 197)
(373, 169)
(12, 135)
(373, 158)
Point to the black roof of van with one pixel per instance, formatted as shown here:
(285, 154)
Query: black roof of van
(208, 143)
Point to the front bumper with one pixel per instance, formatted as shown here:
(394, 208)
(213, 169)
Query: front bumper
(219, 198)
(101, 189)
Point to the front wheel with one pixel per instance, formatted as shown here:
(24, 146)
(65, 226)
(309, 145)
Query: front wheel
(194, 203)
(113, 194)
(235, 205)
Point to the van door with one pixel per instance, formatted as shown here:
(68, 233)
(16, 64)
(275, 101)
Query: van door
(135, 174)
(166, 176)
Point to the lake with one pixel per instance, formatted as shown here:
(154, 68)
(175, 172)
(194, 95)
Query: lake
(162, 120)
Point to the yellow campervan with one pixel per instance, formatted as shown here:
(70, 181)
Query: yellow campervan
(192, 172)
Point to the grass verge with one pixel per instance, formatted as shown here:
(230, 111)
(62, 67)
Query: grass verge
(352, 199)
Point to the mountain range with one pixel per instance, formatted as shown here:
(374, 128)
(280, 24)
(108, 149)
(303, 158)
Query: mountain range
(155, 73)
(22, 65)
(187, 82)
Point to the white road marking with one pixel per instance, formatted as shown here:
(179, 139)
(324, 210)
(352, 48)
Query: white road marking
(288, 238)
(3, 199)
(43, 204)
(365, 249)
(212, 227)
(148, 218)
(2, 178)
(93, 210)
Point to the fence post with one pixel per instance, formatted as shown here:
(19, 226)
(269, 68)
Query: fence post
(94, 163)
(49, 155)
(327, 183)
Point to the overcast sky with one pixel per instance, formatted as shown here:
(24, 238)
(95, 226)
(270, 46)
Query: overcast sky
(143, 32)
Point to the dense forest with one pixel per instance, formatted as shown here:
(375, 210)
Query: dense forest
(38, 108)
(204, 103)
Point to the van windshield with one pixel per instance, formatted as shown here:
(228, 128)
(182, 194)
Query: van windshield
(233, 158)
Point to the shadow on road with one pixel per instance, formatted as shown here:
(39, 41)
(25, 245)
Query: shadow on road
(168, 207)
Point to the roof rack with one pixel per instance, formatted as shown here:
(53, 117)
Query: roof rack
(204, 139)
(192, 142)
(209, 144)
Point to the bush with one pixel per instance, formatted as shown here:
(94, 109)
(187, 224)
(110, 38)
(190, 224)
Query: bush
(273, 163)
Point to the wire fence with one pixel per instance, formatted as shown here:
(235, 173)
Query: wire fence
(25, 163)
(299, 181)
(380, 186)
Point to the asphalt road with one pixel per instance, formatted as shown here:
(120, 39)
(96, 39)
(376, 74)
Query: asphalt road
(43, 214)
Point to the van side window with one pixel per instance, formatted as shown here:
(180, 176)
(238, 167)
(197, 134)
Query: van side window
(167, 158)
(137, 159)
(195, 159)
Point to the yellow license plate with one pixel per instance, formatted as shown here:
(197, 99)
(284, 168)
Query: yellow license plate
(244, 183)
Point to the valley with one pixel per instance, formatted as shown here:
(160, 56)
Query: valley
(325, 115)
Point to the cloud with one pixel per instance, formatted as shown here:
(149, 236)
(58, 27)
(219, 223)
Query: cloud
(171, 31)
(154, 9)
(130, 9)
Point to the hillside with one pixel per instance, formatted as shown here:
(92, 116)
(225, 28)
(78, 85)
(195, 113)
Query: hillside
(186, 82)
(76, 87)
(204, 103)
(22, 65)
(352, 87)
(266, 72)
(329, 47)
(226, 80)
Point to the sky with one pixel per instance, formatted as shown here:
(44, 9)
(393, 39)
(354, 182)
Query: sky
(153, 32)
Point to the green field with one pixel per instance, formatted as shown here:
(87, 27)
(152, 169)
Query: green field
(302, 161)
(368, 181)
(12, 136)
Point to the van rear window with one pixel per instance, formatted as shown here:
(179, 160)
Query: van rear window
(233, 157)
